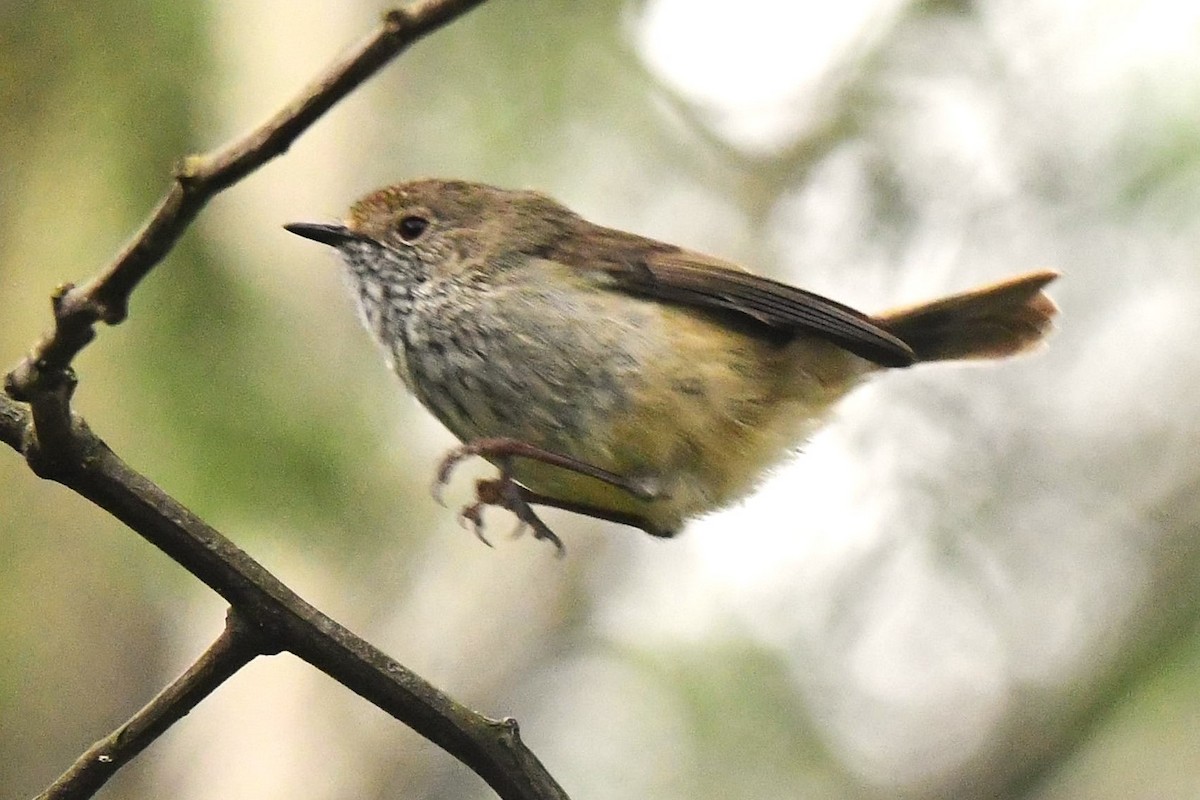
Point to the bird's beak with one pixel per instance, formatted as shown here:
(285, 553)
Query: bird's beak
(332, 235)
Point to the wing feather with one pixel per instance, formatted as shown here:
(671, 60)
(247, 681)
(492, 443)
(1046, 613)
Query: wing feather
(691, 278)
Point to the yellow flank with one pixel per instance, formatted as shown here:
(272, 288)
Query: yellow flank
(724, 407)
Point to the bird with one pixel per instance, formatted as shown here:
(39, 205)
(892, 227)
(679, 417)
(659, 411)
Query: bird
(615, 375)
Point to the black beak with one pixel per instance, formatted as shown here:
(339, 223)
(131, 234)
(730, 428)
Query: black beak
(332, 235)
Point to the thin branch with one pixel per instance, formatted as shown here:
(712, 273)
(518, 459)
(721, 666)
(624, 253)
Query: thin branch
(198, 178)
(59, 446)
(236, 647)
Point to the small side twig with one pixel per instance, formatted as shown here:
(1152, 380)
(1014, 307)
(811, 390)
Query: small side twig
(237, 646)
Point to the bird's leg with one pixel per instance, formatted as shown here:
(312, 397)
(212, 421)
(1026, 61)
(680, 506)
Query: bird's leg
(503, 448)
(596, 512)
(506, 493)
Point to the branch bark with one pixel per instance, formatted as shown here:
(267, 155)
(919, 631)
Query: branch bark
(236, 647)
(60, 446)
(491, 748)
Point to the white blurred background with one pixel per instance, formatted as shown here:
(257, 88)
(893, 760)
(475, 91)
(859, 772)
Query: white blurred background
(976, 582)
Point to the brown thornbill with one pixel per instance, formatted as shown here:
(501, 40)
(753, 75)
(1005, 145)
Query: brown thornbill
(616, 375)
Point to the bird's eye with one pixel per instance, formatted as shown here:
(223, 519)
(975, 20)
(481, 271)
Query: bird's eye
(412, 227)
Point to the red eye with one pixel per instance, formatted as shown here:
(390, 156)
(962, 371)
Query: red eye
(412, 227)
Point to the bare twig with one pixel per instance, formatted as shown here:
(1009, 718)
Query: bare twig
(39, 378)
(59, 446)
(236, 647)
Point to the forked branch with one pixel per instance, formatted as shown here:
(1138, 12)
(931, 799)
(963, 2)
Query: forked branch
(236, 647)
(266, 615)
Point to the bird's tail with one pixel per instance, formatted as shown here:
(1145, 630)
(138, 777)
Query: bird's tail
(993, 321)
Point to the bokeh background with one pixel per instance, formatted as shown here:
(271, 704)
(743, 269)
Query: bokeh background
(977, 582)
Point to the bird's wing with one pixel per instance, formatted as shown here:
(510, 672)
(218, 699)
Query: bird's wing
(682, 276)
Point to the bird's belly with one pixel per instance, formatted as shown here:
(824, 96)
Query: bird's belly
(689, 408)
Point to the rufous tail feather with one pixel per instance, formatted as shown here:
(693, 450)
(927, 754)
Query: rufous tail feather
(993, 321)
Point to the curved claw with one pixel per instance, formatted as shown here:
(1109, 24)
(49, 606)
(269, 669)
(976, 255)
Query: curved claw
(446, 469)
(473, 514)
(542, 532)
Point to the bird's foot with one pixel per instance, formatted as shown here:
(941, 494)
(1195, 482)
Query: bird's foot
(506, 493)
